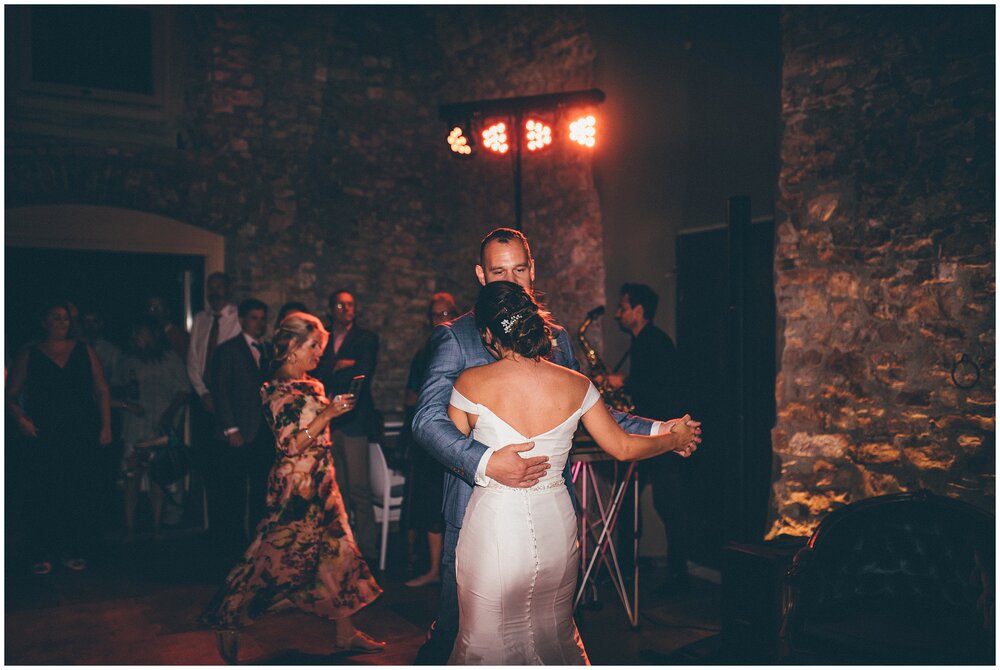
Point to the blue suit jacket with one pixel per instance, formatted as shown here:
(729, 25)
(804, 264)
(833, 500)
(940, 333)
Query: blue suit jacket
(456, 346)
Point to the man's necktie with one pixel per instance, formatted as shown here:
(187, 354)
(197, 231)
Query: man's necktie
(213, 340)
(260, 355)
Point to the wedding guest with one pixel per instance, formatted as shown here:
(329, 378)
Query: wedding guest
(304, 554)
(425, 476)
(212, 326)
(352, 351)
(236, 476)
(154, 389)
(59, 398)
(177, 337)
(92, 332)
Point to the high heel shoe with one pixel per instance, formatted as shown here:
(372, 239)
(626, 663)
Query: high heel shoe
(360, 643)
(228, 644)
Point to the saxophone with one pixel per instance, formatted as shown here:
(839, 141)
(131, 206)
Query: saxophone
(617, 398)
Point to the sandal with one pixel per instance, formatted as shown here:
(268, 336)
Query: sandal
(228, 644)
(360, 643)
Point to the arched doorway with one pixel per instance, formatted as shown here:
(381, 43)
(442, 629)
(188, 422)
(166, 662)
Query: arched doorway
(104, 258)
(108, 260)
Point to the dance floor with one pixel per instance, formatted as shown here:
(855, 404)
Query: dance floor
(138, 605)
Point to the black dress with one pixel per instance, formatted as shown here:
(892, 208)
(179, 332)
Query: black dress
(62, 463)
(424, 494)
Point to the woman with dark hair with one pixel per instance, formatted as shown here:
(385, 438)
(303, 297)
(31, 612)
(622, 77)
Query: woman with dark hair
(517, 555)
(304, 554)
(59, 398)
(154, 387)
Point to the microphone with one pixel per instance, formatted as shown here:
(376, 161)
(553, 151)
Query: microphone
(596, 312)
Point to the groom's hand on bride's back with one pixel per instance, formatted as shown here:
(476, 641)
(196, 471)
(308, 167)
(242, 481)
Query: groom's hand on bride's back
(508, 468)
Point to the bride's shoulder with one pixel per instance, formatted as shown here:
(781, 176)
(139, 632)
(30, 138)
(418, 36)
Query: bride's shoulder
(567, 375)
(469, 378)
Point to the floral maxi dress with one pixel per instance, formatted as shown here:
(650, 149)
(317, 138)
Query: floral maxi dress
(304, 549)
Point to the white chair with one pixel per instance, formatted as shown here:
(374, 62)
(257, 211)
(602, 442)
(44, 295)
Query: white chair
(387, 494)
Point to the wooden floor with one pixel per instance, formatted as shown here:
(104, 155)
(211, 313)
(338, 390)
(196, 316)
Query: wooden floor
(138, 605)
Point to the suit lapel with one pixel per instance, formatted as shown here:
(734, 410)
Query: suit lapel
(245, 348)
(260, 370)
(265, 357)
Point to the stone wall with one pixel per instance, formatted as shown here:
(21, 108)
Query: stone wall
(310, 139)
(884, 265)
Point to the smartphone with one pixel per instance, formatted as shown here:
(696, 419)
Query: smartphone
(355, 388)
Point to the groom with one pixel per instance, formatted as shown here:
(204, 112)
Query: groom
(503, 255)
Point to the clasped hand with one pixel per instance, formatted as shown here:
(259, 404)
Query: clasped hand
(688, 432)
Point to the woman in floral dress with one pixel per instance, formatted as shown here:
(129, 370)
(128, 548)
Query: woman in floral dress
(304, 554)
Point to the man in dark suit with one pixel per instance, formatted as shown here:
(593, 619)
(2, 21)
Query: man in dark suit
(245, 452)
(653, 383)
(352, 351)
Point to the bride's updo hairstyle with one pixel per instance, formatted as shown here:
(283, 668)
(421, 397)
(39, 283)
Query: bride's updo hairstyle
(516, 321)
(294, 330)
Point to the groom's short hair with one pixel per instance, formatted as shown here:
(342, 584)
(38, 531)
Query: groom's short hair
(503, 236)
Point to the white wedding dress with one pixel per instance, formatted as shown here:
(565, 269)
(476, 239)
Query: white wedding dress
(517, 557)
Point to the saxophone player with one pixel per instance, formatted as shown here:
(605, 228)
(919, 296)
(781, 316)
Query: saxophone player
(653, 384)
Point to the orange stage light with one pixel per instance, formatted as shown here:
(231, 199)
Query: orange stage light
(538, 135)
(583, 131)
(495, 138)
(458, 142)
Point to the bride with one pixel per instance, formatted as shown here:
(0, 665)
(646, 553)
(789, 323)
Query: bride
(517, 555)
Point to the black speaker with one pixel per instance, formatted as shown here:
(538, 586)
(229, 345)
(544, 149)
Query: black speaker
(752, 581)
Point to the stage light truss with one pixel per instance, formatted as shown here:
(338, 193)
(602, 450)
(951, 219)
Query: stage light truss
(505, 124)
(509, 123)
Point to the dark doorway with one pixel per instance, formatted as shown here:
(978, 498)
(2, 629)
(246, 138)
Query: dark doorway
(114, 284)
(702, 344)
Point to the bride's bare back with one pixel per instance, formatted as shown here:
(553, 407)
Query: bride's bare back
(535, 396)
(532, 397)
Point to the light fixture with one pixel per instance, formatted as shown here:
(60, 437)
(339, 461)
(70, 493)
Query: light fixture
(458, 142)
(521, 131)
(537, 134)
(583, 131)
(495, 138)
